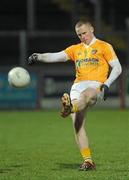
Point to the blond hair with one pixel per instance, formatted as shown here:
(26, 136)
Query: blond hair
(83, 21)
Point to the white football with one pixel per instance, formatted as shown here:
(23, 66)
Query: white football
(18, 77)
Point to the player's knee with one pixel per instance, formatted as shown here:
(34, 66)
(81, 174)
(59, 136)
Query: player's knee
(92, 101)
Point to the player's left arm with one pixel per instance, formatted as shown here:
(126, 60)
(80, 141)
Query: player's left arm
(116, 69)
(115, 72)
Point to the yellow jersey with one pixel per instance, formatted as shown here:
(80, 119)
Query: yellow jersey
(91, 62)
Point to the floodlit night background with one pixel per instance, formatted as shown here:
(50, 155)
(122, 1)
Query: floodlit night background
(36, 143)
(29, 26)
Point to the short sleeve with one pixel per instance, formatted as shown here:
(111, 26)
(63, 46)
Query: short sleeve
(70, 53)
(109, 53)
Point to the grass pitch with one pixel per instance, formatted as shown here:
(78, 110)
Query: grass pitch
(40, 146)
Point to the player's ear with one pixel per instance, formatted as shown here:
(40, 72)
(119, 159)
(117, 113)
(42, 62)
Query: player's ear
(92, 29)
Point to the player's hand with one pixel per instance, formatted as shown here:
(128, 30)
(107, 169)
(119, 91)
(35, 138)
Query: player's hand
(105, 89)
(33, 58)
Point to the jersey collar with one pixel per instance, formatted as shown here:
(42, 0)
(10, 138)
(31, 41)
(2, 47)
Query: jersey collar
(92, 42)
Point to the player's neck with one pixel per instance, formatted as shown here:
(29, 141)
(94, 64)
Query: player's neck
(92, 40)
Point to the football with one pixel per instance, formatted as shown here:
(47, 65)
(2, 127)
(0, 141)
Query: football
(18, 77)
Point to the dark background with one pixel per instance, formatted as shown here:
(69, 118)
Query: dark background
(57, 15)
(28, 26)
(55, 20)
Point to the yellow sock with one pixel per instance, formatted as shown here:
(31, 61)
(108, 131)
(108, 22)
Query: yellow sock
(86, 154)
(74, 107)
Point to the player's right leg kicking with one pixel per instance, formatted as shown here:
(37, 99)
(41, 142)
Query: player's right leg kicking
(87, 98)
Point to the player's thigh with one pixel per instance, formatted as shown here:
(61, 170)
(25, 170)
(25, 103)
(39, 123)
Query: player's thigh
(90, 94)
(90, 87)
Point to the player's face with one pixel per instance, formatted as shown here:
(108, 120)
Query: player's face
(85, 33)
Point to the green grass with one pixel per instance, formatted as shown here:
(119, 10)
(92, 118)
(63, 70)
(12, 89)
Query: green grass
(40, 146)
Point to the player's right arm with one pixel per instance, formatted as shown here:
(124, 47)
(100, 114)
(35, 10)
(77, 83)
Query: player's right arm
(48, 57)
